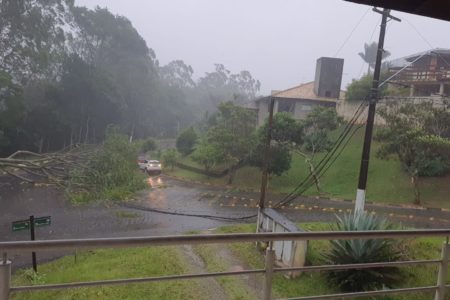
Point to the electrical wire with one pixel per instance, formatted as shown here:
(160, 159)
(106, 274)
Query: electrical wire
(312, 182)
(351, 33)
(320, 166)
(402, 69)
(175, 213)
(321, 171)
(426, 41)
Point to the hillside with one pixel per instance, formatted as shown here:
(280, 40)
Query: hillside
(386, 182)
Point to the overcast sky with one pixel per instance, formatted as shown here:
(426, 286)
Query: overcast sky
(277, 41)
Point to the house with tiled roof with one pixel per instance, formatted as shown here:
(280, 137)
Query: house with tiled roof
(299, 100)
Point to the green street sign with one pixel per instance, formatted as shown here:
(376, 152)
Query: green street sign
(20, 225)
(42, 221)
(25, 224)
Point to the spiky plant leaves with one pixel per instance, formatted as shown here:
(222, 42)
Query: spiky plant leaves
(363, 251)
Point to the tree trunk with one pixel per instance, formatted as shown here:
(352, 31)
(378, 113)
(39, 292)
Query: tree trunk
(71, 137)
(131, 134)
(312, 170)
(41, 145)
(415, 183)
(86, 136)
(231, 173)
(80, 134)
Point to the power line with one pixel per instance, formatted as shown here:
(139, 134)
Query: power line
(351, 33)
(319, 167)
(403, 68)
(321, 171)
(185, 214)
(426, 41)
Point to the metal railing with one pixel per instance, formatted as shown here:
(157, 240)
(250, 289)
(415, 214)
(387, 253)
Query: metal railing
(439, 289)
(421, 74)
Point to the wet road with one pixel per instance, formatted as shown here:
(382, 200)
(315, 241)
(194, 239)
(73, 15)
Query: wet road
(139, 218)
(19, 201)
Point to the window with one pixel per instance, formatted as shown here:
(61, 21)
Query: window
(306, 107)
(327, 94)
(286, 106)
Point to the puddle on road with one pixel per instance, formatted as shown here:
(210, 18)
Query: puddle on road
(156, 197)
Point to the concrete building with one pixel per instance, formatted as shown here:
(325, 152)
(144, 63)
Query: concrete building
(325, 90)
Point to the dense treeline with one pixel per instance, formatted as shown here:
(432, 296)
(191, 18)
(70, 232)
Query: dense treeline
(67, 72)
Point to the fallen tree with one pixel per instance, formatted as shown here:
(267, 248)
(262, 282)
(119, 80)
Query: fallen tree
(47, 168)
(85, 172)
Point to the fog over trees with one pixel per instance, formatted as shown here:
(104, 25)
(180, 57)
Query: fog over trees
(67, 72)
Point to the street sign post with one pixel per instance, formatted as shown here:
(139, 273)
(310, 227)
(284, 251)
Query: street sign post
(25, 224)
(31, 223)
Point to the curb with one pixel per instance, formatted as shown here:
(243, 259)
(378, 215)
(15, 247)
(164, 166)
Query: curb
(338, 200)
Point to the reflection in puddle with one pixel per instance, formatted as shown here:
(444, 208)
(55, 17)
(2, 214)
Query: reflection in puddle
(156, 197)
(154, 181)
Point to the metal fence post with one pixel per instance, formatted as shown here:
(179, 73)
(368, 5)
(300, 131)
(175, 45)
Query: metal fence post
(268, 277)
(443, 272)
(5, 278)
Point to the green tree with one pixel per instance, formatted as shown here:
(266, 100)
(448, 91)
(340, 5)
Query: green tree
(233, 134)
(186, 141)
(11, 112)
(207, 155)
(319, 122)
(418, 134)
(286, 134)
(223, 86)
(149, 145)
(110, 174)
(317, 126)
(359, 89)
(280, 158)
(178, 74)
(170, 158)
(370, 55)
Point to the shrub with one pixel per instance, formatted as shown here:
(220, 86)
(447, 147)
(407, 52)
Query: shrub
(170, 158)
(363, 251)
(186, 141)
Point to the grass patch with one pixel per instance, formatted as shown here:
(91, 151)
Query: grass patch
(386, 182)
(232, 285)
(315, 283)
(306, 285)
(155, 261)
(113, 264)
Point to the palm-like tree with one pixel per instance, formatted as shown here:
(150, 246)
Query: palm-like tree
(370, 55)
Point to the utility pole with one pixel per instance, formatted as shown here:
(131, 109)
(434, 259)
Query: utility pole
(262, 198)
(362, 183)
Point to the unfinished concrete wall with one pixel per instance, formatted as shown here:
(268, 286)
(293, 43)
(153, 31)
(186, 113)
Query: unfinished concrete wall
(347, 109)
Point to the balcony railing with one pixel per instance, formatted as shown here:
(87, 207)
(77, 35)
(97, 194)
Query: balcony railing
(414, 74)
(439, 289)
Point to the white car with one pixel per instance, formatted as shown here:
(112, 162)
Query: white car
(153, 166)
(142, 163)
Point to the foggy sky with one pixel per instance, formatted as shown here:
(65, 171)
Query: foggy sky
(277, 41)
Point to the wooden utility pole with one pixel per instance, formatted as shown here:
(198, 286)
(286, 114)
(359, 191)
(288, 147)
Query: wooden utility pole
(262, 198)
(363, 171)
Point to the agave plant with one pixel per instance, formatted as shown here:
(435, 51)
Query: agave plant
(363, 251)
